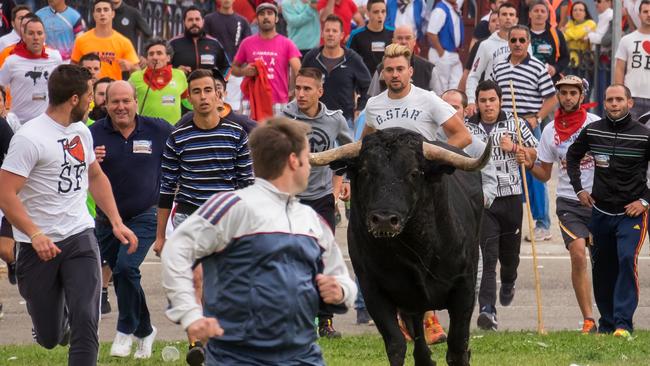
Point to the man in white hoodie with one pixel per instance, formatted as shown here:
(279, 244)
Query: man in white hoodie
(490, 52)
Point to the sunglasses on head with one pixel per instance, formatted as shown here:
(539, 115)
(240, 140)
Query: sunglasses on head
(520, 39)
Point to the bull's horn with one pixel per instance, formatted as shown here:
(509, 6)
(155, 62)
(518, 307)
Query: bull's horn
(434, 152)
(346, 151)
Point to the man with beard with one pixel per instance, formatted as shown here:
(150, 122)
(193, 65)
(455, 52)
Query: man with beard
(131, 142)
(407, 106)
(570, 119)
(620, 146)
(45, 176)
(276, 51)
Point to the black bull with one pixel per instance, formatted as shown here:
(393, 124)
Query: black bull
(413, 238)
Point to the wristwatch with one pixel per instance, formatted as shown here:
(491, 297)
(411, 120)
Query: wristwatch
(644, 203)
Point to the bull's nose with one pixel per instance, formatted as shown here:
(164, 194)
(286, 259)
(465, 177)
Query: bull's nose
(385, 224)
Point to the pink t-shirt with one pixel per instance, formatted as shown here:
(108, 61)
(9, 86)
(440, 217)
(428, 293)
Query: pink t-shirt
(275, 53)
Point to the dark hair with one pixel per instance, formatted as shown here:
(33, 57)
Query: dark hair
(372, 2)
(273, 142)
(18, 8)
(584, 5)
(199, 74)
(488, 85)
(91, 56)
(333, 18)
(66, 81)
(158, 42)
(3, 91)
(520, 27)
(103, 80)
(507, 5)
(628, 93)
(539, 2)
(32, 19)
(102, 1)
(463, 96)
(311, 72)
(192, 8)
(643, 2)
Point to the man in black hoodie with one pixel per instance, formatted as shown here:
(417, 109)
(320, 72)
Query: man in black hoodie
(619, 219)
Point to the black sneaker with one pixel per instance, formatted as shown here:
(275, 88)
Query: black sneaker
(2, 314)
(195, 355)
(363, 317)
(65, 340)
(11, 272)
(487, 319)
(326, 329)
(506, 293)
(106, 305)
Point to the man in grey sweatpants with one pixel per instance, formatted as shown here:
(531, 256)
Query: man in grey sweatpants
(48, 170)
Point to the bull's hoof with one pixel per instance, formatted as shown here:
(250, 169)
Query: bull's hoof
(458, 359)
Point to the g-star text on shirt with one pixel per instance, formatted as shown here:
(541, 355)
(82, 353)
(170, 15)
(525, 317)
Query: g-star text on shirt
(74, 164)
(641, 59)
(398, 112)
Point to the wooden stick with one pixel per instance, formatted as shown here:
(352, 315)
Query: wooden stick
(538, 289)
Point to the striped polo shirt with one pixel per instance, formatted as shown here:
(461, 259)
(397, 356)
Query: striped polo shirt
(198, 163)
(531, 82)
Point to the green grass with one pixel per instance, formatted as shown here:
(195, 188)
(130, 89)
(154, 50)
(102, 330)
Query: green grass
(503, 348)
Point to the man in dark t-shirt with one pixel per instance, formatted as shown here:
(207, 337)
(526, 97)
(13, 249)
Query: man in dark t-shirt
(369, 41)
(227, 27)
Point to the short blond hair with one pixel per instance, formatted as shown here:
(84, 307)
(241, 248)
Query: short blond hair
(395, 50)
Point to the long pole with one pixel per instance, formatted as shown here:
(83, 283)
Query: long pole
(538, 289)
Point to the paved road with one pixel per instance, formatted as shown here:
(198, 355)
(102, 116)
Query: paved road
(559, 306)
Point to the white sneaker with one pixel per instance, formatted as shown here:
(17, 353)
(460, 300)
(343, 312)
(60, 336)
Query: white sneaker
(541, 234)
(145, 345)
(121, 346)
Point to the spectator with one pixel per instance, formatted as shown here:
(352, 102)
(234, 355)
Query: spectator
(369, 41)
(27, 69)
(570, 119)
(283, 333)
(482, 30)
(493, 26)
(92, 63)
(445, 32)
(490, 52)
(99, 103)
(159, 87)
(6, 10)
(13, 37)
(7, 51)
(131, 142)
(58, 265)
(575, 35)
(548, 44)
(303, 23)
(501, 225)
(195, 49)
(423, 70)
(605, 16)
(619, 197)
(230, 29)
(631, 8)
(276, 51)
(405, 12)
(346, 76)
(631, 65)
(130, 22)
(63, 25)
(115, 51)
(344, 9)
(602, 40)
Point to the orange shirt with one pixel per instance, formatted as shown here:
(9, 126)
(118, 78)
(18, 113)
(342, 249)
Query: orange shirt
(109, 49)
(5, 53)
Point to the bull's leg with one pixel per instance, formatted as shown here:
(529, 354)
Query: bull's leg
(384, 313)
(460, 316)
(421, 352)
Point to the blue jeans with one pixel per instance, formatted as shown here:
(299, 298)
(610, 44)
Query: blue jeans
(538, 195)
(133, 312)
(359, 302)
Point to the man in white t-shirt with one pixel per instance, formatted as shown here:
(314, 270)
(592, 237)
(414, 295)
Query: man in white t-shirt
(574, 218)
(48, 170)
(13, 37)
(633, 63)
(27, 70)
(407, 106)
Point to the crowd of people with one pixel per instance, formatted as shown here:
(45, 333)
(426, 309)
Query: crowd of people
(198, 148)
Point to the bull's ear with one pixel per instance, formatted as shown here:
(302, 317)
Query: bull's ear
(433, 168)
(343, 166)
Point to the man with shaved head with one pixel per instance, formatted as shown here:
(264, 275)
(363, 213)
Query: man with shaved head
(423, 70)
(129, 148)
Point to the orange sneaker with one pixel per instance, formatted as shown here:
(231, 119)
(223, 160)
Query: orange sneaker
(402, 327)
(433, 332)
(589, 327)
(622, 333)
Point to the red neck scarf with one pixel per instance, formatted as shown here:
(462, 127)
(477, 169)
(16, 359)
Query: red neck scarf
(22, 51)
(566, 124)
(158, 78)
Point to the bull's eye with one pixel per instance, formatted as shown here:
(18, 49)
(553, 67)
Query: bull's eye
(415, 173)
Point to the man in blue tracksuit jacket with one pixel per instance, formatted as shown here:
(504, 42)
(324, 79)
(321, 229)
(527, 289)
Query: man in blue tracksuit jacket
(267, 261)
(619, 221)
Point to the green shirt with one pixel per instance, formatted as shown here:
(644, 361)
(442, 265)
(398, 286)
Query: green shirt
(164, 103)
(90, 202)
